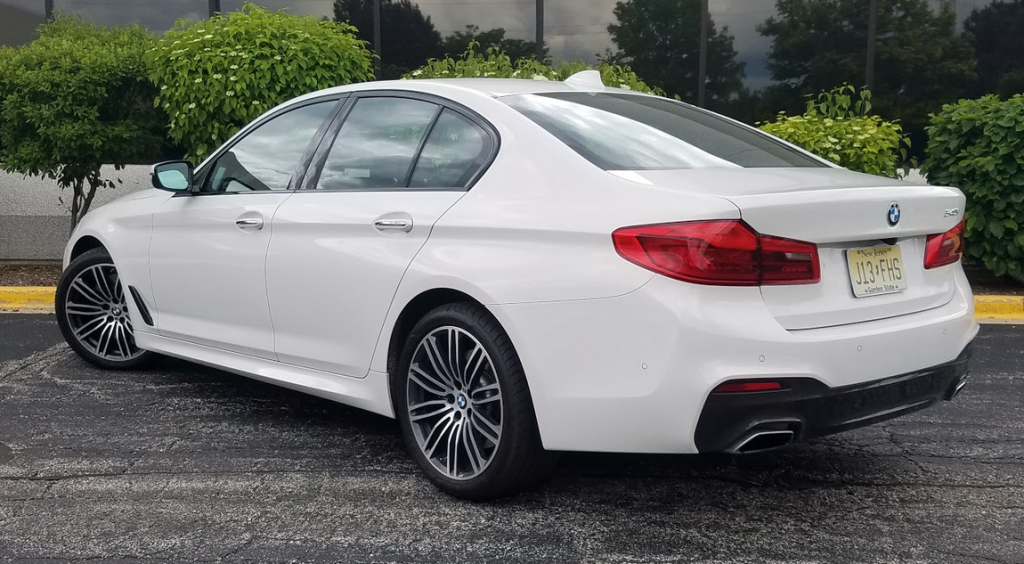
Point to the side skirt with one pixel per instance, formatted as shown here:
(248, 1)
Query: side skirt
(370, 393)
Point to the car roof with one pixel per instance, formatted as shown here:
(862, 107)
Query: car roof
(493, 87)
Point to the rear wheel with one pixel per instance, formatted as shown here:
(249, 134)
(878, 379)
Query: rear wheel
(92, 312)
(464, 406)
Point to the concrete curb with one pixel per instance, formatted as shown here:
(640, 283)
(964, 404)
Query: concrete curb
(999, 309)
(39, 299)
(27, 299)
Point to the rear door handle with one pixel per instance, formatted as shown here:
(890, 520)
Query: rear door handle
(249, 223)
(393, 225)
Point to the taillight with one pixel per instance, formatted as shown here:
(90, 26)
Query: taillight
(944, 248)
(725, 253)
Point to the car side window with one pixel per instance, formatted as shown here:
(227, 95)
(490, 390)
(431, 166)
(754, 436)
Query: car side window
(265, 159)
(455, 149)
(377, 143)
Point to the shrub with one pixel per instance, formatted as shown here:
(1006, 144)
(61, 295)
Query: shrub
(217, 75)
(836, 126)
(496, 64)
(75, 99)
(978, 146)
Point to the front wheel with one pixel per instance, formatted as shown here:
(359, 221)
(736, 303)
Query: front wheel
(464, 406)
(92, 312)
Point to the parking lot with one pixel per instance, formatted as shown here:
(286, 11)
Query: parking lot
(184, 463)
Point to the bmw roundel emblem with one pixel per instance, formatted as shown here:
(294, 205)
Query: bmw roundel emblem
(894, 214)
(462, 400)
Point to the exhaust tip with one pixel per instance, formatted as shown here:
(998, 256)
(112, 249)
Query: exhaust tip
(758, 441)
(956, 390)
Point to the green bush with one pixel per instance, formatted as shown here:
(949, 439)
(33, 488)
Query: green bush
(836, 126)
(217, 75)
(75, 99)
(978, 146)
(495, 64)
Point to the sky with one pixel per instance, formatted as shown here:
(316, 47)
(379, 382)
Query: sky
(573, 28)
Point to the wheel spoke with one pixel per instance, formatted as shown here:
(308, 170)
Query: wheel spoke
(103, 342)
(453, 356)
(440, 428)
(432, 385)
(494, 398)
(89, 327)
(488, 430)
(428, 415)
(453, 450)
(123, 343)
(476, 460)
(471, 374)
(73, 308)
(88, 293)
(102, 284)
(486, 388)
(436, 361)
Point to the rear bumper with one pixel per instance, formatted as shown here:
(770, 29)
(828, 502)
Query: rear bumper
(807, 408)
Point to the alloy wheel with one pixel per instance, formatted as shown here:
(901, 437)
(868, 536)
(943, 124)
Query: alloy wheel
(97, 314)
(454, 403)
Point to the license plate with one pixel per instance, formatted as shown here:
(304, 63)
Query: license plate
(876, 270)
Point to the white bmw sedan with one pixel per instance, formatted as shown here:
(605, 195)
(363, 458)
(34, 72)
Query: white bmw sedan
(513, 268)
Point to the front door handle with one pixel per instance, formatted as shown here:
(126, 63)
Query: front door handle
(393, 225)
(249, 223)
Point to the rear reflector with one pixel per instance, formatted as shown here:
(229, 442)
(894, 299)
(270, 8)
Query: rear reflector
(740, 387)
(723, 253)
(944, 248)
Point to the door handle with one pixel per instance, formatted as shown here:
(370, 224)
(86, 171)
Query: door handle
(249, 222)
(393, 225)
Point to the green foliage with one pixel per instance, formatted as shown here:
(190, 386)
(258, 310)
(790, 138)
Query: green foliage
(921, 62)
(978, 146)
(75, 99)
(408, 37)
(836, 126)
(459, 42)
(660, 40)
(496, 64)
(217, 75)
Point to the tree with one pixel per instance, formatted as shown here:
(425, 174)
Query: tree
(921, 62)
(75, 99)
(217, 75)
(997, 34)
(408, 38)
(660, 40)
(516, 49)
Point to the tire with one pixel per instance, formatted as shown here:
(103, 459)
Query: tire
(486, 398)
(92, 313)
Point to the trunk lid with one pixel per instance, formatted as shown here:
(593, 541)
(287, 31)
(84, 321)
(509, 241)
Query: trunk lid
(838, 210)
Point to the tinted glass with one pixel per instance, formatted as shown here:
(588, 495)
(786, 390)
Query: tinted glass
(266, 157)
(377, 143)
(630, 132)
(455, 150)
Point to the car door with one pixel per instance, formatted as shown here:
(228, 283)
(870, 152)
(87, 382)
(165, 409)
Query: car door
(208, 249)
(387, 170)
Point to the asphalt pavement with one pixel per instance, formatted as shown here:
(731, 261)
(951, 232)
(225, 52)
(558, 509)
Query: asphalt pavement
(184, 463)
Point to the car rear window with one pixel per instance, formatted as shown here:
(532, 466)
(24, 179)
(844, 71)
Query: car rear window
(631, 132)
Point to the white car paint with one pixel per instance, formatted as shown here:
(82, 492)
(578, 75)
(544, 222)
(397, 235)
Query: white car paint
(618, 358)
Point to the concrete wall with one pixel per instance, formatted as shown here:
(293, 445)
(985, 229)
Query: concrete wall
(34, 224)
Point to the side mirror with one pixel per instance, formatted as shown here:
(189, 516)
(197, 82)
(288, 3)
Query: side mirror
(173, 176)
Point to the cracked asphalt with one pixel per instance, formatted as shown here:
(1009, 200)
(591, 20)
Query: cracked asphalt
(188, 464)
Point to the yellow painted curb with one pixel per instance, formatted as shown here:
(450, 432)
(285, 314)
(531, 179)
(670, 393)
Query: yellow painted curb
(29, 299)
(39, 299)
(999, 308)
